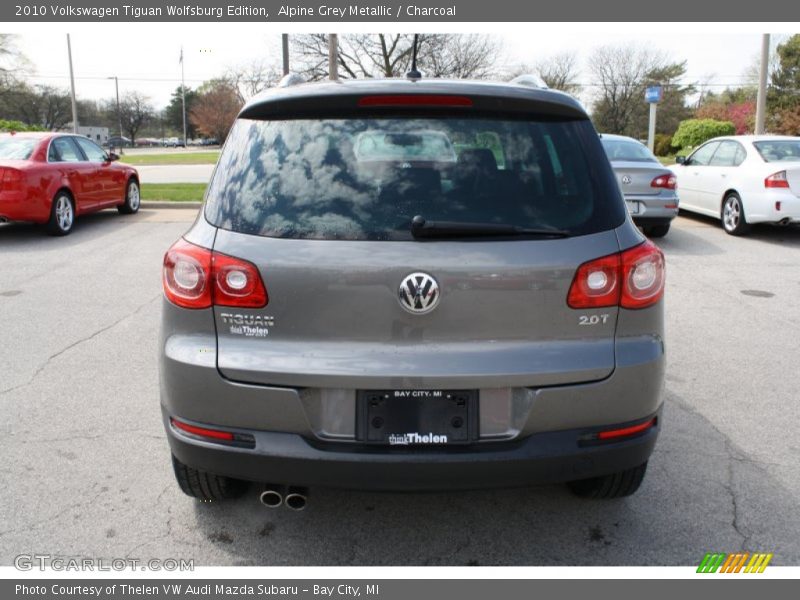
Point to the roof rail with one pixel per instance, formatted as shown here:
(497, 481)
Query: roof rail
(530, 80)
(291, 79)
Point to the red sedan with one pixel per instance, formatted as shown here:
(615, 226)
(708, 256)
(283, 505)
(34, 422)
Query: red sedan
(53, 177)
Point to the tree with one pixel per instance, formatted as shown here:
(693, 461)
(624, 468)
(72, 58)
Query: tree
(389, 55)
(173, 113)
(135, 111)
(254, 77)
(559, 72)
(623, 73)
(673, 106)
(215, 109)
(784, 92)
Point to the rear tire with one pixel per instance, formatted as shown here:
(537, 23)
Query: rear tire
(616, 485)
(206, 486)
(733, 219)
(62, 214)
(132, 198)
(656, 231)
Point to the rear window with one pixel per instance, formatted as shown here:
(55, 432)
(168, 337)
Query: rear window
(366, 179)
(16, 148)
(779, 150)
(627, 150)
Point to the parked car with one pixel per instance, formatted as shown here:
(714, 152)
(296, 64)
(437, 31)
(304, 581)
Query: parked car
(493, 320)
(118, 142)
(743, 180)
(648, 186)
(51, 178)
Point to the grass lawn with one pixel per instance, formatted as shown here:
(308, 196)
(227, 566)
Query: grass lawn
(173, 192)
(172, 158)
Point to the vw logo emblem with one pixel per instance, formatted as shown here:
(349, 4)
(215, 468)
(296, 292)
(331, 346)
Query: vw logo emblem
(419, 293)
(626, 179)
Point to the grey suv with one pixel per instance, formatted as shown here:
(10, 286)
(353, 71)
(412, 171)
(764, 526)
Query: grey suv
(412, 285)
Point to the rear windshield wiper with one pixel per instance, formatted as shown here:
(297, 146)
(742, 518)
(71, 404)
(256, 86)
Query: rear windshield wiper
(420, 228)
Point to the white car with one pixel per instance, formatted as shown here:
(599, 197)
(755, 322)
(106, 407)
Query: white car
(742, 180)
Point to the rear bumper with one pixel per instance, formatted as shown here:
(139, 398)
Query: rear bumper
(288, 458)
(656, 209)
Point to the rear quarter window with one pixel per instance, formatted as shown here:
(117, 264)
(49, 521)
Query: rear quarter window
(366, 178)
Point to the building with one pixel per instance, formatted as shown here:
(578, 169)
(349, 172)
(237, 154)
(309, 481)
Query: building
(98, 135)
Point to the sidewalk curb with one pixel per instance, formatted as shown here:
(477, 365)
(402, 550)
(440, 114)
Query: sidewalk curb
(157, 204)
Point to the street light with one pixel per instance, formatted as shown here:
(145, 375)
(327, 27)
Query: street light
(119, 114)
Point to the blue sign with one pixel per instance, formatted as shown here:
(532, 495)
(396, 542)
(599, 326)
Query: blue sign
(653, 94)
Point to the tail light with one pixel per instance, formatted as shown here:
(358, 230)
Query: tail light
(196, 277)
(619, 433)
(667, 182)
(630, 279)
(777, 180)
(11, 180)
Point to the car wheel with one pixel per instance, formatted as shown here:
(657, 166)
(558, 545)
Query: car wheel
(62, 215)
(132, 198)
(206, 486)
(733, 219)
(656, 231)
(616, 485)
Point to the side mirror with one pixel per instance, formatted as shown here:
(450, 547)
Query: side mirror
(681, 160)
(111, 156)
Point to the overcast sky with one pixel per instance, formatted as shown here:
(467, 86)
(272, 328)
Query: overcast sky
(145, 56)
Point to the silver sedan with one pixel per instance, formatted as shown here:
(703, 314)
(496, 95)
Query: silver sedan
(650, 189)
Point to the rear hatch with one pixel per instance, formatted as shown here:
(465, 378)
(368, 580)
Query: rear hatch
(507, 207)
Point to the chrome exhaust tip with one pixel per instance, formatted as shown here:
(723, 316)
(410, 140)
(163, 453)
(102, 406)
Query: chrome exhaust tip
(271, 497)
(297, 499)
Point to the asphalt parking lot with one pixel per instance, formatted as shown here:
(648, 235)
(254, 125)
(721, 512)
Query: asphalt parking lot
(85, 464)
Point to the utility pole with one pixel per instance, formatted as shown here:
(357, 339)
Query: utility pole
(119, 112)
(285, 46)
(183, 101)
(72, 87)
(761, 102)
(333, 54)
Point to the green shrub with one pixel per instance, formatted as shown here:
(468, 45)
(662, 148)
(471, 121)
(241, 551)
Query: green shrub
(694, 132)
(662, 145)
(6, 125)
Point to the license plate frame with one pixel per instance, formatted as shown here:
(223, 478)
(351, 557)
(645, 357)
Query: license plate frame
(633, 207)
(417, 418)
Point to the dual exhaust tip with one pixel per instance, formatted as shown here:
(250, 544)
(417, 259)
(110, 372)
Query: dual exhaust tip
(274, 496)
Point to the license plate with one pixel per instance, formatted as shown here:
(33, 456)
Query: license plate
(417, 417)
(633, 207)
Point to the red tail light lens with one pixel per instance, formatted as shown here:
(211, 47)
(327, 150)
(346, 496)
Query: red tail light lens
(613, 434)
(187, 275)
(196, 277)
(237, 283)
(777, 180)
(596, 284)
(414, 100)
(630, 279)
(11, 179)
(643, 275)
(667, 182)
(214, 434)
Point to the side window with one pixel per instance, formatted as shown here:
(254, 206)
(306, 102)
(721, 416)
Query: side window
(741, 154)
(64, 150)
(703, 154)
(93, 152)
(725, 156)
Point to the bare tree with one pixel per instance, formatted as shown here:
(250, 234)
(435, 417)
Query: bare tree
(216, 108)
(621, 73)
(254, 77)
(559, 72)
(136, 111)
(389, 55)
(464, 56)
